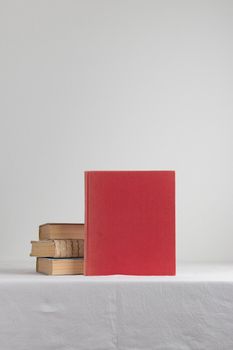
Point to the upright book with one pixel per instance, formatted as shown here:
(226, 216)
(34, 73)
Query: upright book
(129, 223)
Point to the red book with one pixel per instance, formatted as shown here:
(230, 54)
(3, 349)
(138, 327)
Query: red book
(130, 222)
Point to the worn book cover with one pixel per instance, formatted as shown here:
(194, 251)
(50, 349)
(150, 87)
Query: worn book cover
(61, 231)
(65, 266)
(58, 248)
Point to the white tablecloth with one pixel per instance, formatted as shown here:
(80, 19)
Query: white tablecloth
(193, 310)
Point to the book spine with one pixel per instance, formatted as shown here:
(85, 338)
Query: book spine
(68, 248)
(174, 215)
(86, 223)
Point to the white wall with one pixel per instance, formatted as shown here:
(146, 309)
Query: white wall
(123, 84)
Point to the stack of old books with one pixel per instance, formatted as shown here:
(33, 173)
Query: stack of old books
(60, 249)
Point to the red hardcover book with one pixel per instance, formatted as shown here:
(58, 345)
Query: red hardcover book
(130, 222)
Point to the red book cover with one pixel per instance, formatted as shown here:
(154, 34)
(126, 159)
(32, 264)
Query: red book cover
(130, 222)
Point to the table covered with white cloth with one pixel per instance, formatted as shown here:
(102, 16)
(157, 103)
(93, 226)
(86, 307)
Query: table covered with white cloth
(193, 310)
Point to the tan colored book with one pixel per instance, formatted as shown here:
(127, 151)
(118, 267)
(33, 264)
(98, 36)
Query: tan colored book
(61, 231)
(51, 266)
(58, 248)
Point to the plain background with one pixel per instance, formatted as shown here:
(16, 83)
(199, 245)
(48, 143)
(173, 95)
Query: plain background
(121, 84)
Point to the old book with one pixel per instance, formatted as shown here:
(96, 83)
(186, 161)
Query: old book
(58, 248)
(61, 231)
(53, 266)
(130, 223)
